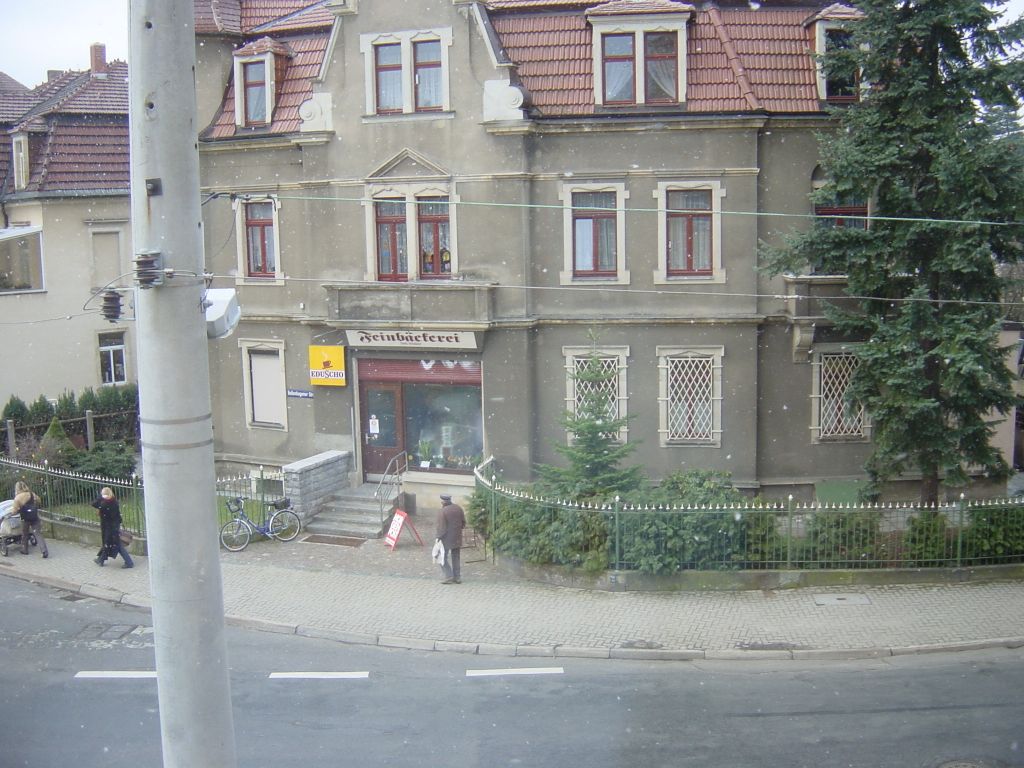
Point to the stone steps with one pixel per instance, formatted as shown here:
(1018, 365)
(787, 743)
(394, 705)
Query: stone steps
(354, 513)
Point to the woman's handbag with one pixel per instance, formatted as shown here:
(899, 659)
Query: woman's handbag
(125, 536)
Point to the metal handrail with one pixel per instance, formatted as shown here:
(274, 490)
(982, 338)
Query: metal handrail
(392, 479)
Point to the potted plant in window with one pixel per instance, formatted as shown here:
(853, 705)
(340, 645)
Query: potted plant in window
(424, 450)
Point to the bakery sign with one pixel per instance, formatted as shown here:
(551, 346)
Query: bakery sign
(327, 366)
(412, 339)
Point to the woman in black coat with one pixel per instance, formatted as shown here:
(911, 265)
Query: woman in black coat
(110, 529)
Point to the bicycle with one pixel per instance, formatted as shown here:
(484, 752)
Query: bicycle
(282, 524)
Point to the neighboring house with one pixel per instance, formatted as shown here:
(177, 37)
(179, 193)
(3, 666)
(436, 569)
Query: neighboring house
(64, 230)
(457, 202)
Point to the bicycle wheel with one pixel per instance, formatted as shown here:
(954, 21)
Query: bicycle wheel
(284, 525)
(235, 535)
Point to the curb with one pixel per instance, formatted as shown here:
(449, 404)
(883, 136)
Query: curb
(533, 651)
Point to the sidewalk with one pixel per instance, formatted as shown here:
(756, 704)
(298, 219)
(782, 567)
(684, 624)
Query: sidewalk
(369, 595)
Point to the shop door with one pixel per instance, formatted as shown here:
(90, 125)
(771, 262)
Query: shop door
(382, 427)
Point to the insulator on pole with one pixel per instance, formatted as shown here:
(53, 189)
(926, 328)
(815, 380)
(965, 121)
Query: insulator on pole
(111, 309)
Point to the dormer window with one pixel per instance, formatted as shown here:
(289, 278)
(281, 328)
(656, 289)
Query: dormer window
(639, 59)
(842, 80)
(259, 71)
(254, 92)
(19, 148)
(840, 84)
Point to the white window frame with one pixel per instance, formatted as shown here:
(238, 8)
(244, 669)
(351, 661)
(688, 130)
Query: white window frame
(17, 232)
(717, 190)
(567, 276)
(406, 39)
(821, 29)
(266, 346)
(20, 160)
(819, 352)
(716, 354)
(109, 350)
(119, 267)
(638, 26)
(242, 241)
(621, 355)
(410, 193)
(269, 65)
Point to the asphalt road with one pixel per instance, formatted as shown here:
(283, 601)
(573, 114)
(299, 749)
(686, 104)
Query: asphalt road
(302, 701)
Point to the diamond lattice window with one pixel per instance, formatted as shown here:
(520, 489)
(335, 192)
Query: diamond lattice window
(691, 398)
(605, 387)
(838, 417)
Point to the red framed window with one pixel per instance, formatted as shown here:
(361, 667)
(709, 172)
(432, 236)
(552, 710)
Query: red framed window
(254, 75)
(392, 250)
(388, 74)
(619, 67)
(661, 67)
(427, 75)
(259, 237)
(688, 214)
(852, 216)
(435, 244)
(594, 234)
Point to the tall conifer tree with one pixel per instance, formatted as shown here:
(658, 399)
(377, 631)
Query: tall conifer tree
(923, 147)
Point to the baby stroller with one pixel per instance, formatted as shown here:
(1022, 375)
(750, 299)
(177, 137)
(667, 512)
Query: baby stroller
(10, 528)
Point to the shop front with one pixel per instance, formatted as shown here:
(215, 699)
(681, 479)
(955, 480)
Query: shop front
(428, 406)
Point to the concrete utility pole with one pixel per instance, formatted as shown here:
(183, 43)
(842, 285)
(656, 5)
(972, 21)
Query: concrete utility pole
(196, 723)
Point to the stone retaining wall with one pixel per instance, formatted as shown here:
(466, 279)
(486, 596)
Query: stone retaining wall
(312, 481)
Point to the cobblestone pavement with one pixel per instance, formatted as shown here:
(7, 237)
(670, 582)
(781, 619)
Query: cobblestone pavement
(368, 594)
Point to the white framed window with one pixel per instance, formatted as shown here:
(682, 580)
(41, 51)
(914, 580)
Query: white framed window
(407, 73)
(255, 87)
(689, 232)
(690, 396)
(594, 233)
(21, 259)
(613, 362)
(833, 417)
(19, 149)
(258, 240)
(840, 86)
(112, 358)
(263, 375)
(639, 59)
(411, 232)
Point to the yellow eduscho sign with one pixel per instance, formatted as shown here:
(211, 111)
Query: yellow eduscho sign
(327, 366)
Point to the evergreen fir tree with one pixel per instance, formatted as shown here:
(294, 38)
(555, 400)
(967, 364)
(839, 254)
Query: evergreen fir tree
(927, 147)
(593, 451)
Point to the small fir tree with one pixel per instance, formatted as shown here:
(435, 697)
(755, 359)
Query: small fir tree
(594, 451)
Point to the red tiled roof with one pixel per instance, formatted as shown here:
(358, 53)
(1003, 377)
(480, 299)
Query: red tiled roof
(78, 132)
(622, 7)
(264, 45)
(218, 17)
(314, 17)
(256, 13)
(738, 60)
(84, 153)
(294, 87)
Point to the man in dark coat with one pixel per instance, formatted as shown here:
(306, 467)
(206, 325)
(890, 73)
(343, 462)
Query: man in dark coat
(450, 522)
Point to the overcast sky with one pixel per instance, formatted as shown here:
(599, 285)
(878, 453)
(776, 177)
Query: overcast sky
(38, 36)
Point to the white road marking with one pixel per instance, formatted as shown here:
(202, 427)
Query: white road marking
(515, 671)
(319, 675)
(127, 674)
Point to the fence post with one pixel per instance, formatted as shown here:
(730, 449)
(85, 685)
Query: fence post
(494, 513)
(139, 512)
(12, 447)
(789, 533)
(263, 495)
(618, 543)
(960, 531)
(90, 430)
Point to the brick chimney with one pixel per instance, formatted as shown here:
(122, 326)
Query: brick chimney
(98, 58)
